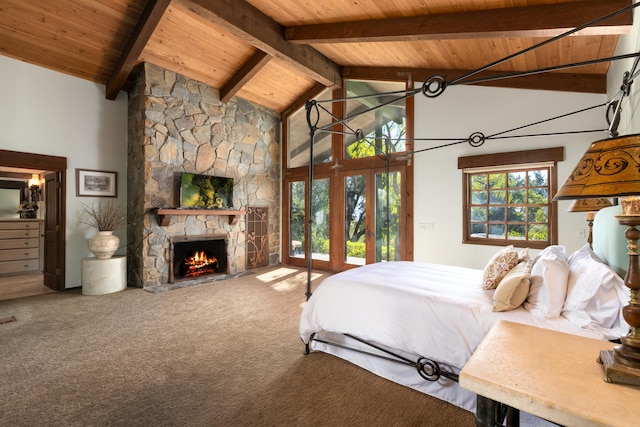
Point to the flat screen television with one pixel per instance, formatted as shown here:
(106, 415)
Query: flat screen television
(205, 191)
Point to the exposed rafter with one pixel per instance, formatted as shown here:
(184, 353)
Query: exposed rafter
(568, 82)
(239, 79)
(316, 90)
(531, 21)
(248, 23)
(227, 43)
(147, 23)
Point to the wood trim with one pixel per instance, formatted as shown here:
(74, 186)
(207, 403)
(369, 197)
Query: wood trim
(18, 159)
(553, 216)
(512, 158)
(164, 215)
(407, 199)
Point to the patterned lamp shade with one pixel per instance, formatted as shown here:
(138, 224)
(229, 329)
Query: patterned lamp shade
(588, 205)
(609, 168)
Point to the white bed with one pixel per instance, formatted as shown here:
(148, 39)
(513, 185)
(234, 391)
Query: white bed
(442, 313)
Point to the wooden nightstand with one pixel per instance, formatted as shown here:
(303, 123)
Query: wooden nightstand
(549, 374)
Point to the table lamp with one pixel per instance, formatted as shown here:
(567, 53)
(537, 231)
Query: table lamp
(611, 168)
(590, 206)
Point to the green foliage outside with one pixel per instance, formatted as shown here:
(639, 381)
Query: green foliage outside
(356, 249)
(386, 137)
(525, 209)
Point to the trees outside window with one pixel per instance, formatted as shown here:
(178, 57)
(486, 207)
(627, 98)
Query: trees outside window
(359, 176)
(510, 204)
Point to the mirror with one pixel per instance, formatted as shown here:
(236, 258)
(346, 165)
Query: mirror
(12, 194)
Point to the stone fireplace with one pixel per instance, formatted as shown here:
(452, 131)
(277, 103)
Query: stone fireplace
(180, 125)
(197, 256)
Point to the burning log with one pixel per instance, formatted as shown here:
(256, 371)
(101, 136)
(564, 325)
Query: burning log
(198, 264)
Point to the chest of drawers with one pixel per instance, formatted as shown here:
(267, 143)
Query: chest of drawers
(20, 246)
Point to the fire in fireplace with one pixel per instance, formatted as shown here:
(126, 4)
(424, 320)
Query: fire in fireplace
(198, 264)
(197, 256)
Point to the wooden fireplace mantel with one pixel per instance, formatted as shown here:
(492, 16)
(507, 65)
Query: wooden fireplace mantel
(164, 215)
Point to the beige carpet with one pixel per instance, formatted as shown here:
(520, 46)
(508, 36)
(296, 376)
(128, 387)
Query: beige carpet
(225, 353)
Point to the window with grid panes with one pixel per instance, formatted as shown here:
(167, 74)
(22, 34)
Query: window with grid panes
(510, 205)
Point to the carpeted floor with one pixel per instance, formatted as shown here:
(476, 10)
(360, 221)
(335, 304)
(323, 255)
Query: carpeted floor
(225, 353)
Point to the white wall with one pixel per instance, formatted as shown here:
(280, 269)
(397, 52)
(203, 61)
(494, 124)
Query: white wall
(46, 112)
(463, 110)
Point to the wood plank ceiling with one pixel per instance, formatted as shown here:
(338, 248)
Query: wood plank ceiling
(278, 52)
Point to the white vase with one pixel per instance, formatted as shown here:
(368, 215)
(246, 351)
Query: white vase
(104, 244)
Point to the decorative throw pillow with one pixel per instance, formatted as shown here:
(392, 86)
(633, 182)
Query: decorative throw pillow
(523, 254)
(595, 293)
(498, 267)
(549, 277)
(514, 287)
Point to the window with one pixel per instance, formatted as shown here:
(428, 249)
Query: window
(384, 128)
(360, 196)
(298, 136)
(511, 203)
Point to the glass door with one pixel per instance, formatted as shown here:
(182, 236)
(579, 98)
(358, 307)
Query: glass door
(387, 221)
(372, 217)
(356, 226)
(298, 221)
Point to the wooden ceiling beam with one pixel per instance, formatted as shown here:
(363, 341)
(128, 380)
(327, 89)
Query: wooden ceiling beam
(546, 20)
(316, 90)
(142, 32)
(565, 82)
(248, 23)
(243, 75)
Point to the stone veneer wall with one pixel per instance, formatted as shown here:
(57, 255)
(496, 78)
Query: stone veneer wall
(179, 125)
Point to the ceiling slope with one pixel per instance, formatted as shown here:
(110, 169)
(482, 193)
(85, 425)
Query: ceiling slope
(273, 52)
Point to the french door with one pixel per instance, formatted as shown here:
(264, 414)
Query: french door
(356, 217)
(373, 208)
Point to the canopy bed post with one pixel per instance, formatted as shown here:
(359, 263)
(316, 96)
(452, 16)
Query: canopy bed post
(312, 132)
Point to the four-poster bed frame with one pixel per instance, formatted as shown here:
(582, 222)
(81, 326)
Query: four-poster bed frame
(433, 87)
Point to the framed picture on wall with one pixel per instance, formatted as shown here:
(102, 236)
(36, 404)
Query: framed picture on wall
(92, 183)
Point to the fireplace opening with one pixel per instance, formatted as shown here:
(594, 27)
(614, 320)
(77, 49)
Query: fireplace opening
(197, 256)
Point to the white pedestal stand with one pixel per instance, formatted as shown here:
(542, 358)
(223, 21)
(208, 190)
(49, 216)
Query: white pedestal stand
(104, 276)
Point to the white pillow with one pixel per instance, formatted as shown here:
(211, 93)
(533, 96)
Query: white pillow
(549, 277)
(513, 288)
(498, 267)
(593, 292)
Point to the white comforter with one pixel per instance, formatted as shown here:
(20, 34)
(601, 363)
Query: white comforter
(436, 311)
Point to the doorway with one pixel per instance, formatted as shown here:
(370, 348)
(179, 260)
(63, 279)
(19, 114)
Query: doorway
(356, 218)
(53, 170)
(373, 208)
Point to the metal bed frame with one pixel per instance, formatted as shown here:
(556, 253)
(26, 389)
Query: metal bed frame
(433, 87)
